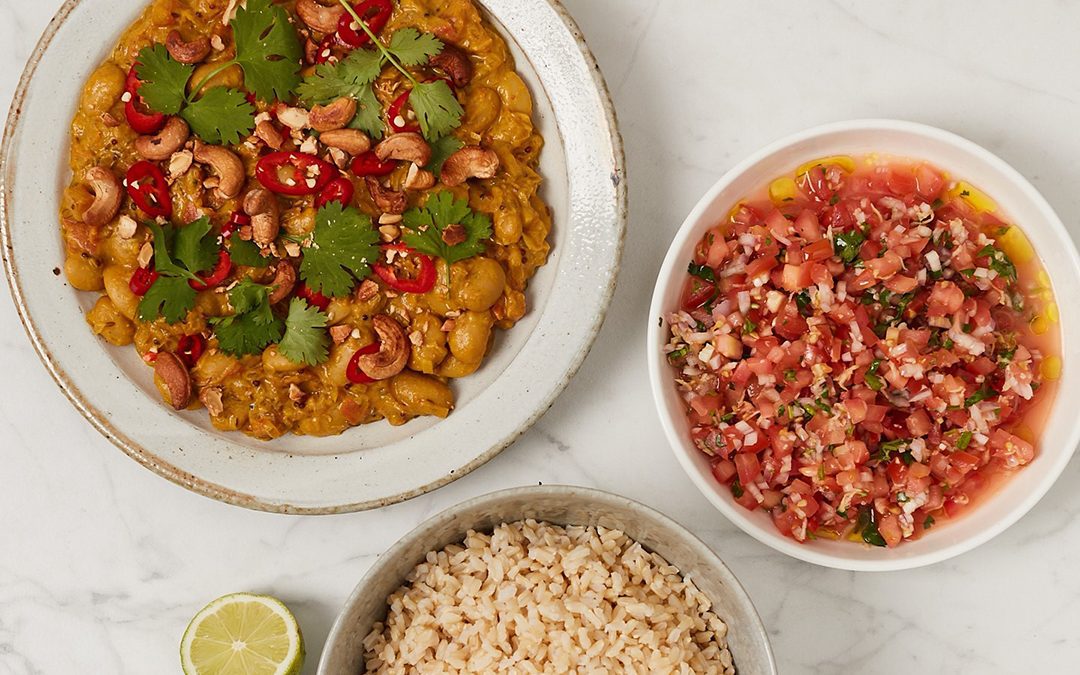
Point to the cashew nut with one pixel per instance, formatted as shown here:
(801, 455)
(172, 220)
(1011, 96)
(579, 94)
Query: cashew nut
(283, 282)
(455, 63)
(319, 17)
(332, 116)
(174, 374)
(186, 52)
(418, 179)
(393, 351)
(226, 164)
(406, 147)
(167, 141)
(265, 214)
(107, 196)
(268, 133)
(388, 201)
(352, 141)
(469, 162)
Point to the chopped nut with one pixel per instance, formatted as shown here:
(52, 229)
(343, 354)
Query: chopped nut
(390, 218)
(416, 337)
(340, 333)
(126, 227)
(146, 254)
(367, 290)
(419, 179)
(339, 158)
(296, 394)
(180, 162)
(292, 249)
(268, 133)
(294, 118)
(447, 326)
(217, 43)
(389, 232)
(109, 120)
(211, 398)
(310, 146)
(454, 235)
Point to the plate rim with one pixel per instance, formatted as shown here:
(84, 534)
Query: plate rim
(132, 448)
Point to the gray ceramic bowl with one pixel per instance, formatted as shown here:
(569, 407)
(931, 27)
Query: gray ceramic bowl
(562, 505)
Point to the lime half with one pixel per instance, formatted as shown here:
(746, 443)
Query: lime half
(243, 634)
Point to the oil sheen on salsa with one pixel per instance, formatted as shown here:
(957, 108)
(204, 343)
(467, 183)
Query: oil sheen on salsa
(864, 348)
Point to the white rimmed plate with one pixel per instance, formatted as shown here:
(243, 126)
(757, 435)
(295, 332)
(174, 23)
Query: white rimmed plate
(372, 465)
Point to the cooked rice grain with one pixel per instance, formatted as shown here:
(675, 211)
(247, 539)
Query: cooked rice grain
(538, 598)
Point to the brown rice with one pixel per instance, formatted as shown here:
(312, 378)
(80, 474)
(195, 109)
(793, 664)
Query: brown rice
(539, 598)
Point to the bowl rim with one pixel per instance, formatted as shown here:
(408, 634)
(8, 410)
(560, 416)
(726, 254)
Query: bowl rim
(100, 421)
(659, 378)
(591, 495)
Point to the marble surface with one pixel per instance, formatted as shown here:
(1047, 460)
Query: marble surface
(102, 563)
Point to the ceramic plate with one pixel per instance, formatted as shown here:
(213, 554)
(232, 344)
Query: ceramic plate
(372, 465)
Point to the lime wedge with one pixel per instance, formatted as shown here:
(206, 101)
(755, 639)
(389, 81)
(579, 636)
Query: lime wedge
(243, 634)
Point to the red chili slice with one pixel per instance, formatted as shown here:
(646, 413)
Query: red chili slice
(338, 190)
(314, 298)
(369, 164)
(190, 348)
(353, 372)
(217, 276)
(304, 168)
(396, 112)
(147, 188)
(238, 219)
(375, 13)
(424, 280)
(142, 280)
(141, 118)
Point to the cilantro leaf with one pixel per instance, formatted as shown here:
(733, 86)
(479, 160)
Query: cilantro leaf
(169, 297)
(193, 248)
(245, 252)
(164, 238)
(253, 326)
(268, 50)
(413, 48)
(306, 340)
(221, 116)
(427, 224)
(348, 77)
(163, 79)
(368, 114)
(441, 151)
(847, 245)
(341, 251)
(436, 107)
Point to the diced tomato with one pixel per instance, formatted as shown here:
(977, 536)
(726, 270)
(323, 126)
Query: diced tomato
(946, 298)
(748, 466)
(796, 277)
(723, 470)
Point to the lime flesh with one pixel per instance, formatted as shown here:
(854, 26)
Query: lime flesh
(243, 634)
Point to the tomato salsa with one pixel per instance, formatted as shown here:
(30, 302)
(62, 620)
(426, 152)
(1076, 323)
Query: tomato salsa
(864, 348)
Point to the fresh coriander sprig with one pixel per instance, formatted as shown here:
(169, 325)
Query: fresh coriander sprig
(267, 50)
(433, 102)
(179, 255)
(428, 228)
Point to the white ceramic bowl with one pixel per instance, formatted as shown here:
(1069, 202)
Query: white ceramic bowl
(376, 464)
(1017, 198)
(561, 505)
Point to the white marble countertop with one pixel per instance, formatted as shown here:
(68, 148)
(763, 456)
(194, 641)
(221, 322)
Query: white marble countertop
(102, 563)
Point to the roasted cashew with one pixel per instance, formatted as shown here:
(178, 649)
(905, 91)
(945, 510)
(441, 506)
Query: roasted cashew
(265, 214)
(283, 282)
(160, 147)
(469, 162)
(186, 52)
(268, 133)
(393, 351)
(405, 147)
(455, 63)
(107, 196)
(226, 164)
(418, 179)
(332, 116)
(352, 141)
(319, 17)
(174, 374)
(388, 201)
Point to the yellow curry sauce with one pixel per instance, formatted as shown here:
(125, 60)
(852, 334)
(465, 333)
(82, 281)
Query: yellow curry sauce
(449, 328)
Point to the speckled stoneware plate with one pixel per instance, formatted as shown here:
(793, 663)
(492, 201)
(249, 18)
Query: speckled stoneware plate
(560, 505)
(375, 464)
